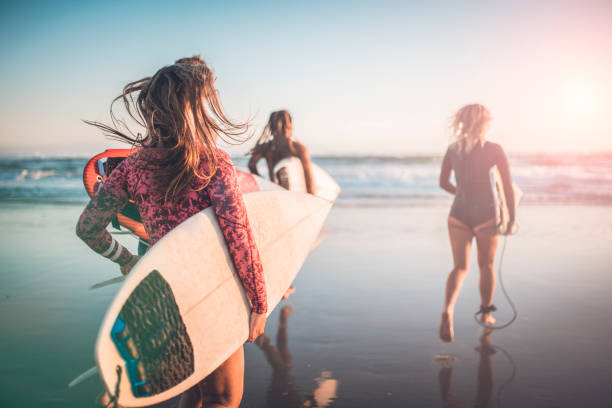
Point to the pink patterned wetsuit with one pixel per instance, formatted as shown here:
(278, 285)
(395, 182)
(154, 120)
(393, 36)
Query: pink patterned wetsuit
(132, 179)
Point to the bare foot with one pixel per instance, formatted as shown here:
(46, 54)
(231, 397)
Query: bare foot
(447, 334)
(288, 292)
(487, 318)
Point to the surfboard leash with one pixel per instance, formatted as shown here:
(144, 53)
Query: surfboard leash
(114, 399)
(505, 292)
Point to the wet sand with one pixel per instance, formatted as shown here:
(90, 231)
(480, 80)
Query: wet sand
(364, 317)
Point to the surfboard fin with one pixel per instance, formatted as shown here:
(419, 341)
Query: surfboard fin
(84, 376)
(108, 282)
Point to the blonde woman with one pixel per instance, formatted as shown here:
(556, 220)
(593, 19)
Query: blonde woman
(473, 211)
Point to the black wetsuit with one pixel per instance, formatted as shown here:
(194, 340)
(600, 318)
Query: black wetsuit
(474, 204)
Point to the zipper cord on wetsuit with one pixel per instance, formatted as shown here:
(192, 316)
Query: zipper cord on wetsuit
(503, 287)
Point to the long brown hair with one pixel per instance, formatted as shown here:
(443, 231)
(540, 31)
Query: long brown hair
(275, 131)
(469, 126)
(182, 116)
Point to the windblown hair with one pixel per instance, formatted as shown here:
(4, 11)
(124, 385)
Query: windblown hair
(183, 117)
(274, 132)
(469, 126)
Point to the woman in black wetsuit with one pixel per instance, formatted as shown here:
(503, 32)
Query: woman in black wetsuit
(473, 211)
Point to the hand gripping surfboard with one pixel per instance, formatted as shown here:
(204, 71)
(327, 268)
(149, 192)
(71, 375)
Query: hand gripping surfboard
(502, 214)
(289, 173)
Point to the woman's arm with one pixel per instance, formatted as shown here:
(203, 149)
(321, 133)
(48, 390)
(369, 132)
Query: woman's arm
(445, 173)
(102, 208)
(231, 213)
(255, 158)
(302, 154)
(504, 170)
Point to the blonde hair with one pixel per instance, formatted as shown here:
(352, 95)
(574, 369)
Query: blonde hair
(469, 126)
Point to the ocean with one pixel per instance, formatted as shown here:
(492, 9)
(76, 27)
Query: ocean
(560, 178)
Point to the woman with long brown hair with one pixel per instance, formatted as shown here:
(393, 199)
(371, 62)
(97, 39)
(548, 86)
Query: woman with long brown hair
(177, 172)
(275, 144)
(473, 211)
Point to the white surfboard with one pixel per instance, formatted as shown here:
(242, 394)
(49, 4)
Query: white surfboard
(502, 213)
(182, 310)
(323, 234)
(248, 183)
(290, 174)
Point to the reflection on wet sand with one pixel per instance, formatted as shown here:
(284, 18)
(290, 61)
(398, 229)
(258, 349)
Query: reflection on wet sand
(283, 392)
(484, 388)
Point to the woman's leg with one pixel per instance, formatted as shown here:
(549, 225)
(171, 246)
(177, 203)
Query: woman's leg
(486, 243)
(224, 386)
(461, 242)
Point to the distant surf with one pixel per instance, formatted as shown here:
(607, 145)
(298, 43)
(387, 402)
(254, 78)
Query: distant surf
(365, 180)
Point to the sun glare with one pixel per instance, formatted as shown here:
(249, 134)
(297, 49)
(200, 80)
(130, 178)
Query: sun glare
(580, 99)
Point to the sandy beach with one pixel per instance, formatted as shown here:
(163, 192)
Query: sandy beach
(365, 313)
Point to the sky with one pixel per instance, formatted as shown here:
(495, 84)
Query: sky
(359, 78)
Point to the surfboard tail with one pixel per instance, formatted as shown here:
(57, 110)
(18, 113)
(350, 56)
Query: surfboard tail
(502, 212)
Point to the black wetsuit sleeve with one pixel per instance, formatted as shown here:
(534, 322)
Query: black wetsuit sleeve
(504, 169)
